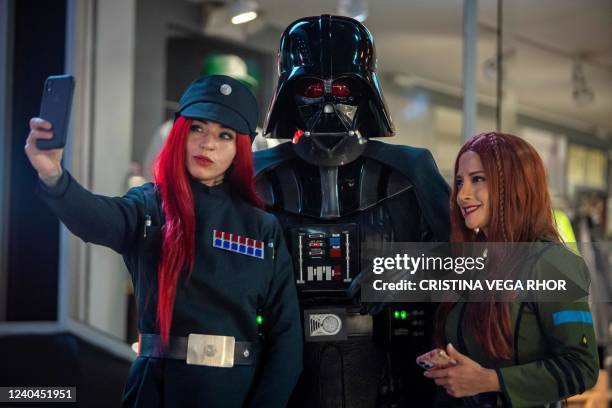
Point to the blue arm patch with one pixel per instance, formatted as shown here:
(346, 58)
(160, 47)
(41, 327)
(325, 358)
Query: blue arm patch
(572, 316)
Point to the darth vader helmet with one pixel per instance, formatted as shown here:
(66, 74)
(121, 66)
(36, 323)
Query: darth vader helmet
(328, 99)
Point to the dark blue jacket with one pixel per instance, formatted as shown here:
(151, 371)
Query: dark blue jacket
(220, 297)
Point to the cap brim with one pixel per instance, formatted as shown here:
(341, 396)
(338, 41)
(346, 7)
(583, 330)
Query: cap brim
(215, 112)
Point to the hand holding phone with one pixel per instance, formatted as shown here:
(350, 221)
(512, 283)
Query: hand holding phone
(47, 163)
(436, 358)
(47, 137)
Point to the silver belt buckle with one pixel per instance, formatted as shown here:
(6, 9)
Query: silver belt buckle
(210, 350)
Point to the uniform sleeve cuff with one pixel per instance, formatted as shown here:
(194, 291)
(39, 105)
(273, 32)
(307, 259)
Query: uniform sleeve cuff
(58, 190)
(502, 387)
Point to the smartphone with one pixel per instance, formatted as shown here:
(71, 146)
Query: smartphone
(55, 107)
(436, 358)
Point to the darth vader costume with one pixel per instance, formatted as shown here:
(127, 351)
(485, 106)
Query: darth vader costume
(335, 190)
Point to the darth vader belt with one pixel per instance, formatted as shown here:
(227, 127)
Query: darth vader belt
(201, 349)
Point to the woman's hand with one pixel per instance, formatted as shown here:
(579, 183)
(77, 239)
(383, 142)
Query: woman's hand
(465, 379)
(47, 163)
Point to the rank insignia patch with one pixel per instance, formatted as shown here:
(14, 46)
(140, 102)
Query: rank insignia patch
(239, 244)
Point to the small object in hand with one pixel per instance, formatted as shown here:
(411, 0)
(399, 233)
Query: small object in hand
(436, 358)
(55, 108)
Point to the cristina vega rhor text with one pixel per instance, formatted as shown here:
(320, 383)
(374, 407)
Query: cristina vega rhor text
(473, 285)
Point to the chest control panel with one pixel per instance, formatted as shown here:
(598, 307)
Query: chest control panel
(326, 257)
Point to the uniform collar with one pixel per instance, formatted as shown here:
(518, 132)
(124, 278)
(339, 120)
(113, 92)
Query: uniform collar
(222, 190)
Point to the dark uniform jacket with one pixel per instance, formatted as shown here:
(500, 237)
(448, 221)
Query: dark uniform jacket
(221, 297)
(555, 352)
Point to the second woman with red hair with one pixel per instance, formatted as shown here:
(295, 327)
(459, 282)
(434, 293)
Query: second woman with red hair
(217, 304)
(514, 353)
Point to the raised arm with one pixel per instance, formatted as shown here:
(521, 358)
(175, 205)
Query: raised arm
(110, 221)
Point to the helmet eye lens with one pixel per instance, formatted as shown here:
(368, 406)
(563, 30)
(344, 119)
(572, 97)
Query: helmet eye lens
(341, 89)
(312, 88)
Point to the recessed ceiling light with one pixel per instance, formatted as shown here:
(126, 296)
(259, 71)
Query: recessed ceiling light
(243, 11)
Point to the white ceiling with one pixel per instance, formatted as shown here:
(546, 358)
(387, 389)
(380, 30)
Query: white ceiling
(423, 39)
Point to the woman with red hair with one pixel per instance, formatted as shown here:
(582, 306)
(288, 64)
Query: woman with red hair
(217, 306)
(515, 353)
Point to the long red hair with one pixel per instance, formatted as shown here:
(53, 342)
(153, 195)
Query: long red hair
(178, 240)
(520, 212)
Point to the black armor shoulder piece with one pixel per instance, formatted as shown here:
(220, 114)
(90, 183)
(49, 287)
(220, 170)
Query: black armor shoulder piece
(418, 166)
(401, 168)
(360, 186)
(265, 191)
(368, 183)
(378, 182)
(397, 183)
(280, 186)
(291, 189)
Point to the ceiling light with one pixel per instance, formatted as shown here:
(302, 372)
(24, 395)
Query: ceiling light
(243, 11)
(581, 92)
(489, 66)
(357, 9)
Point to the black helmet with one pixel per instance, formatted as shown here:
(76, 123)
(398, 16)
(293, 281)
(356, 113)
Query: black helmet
(328, 98)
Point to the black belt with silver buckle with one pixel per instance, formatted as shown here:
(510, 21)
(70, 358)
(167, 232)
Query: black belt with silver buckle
(201, 349)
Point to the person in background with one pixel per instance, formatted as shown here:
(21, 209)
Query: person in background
(512, 353)
(217, 308)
